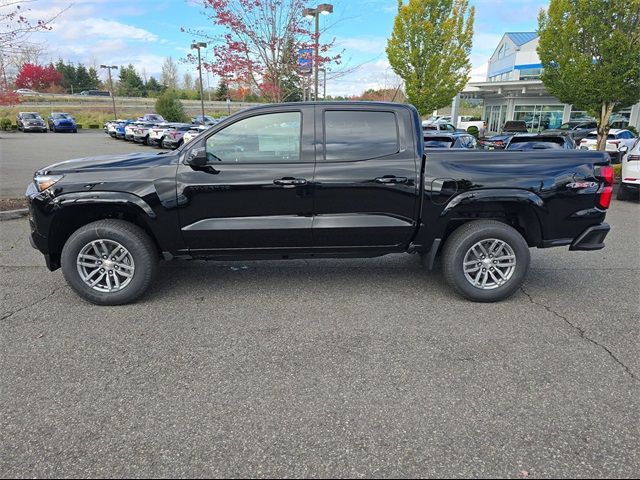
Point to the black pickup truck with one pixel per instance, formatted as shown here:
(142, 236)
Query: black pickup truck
(315, 180)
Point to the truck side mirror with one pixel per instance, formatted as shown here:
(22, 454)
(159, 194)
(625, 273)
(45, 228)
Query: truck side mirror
(623, 149)
(197, 157)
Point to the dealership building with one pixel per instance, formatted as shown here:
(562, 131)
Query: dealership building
(513, 90)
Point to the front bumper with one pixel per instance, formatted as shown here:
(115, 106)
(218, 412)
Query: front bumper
(36, 128)
(592, 238)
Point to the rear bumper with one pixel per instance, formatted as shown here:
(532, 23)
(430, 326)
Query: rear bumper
(592, 238)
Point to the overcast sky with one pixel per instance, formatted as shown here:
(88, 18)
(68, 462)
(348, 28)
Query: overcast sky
(145, 32)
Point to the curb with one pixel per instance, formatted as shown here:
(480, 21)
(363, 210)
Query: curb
(13, 214)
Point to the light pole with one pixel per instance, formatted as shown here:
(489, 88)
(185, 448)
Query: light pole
(322, 9)
(198, 46)
(113, 96)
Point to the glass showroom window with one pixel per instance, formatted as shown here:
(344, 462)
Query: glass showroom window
(539, 117)
(530, 73)
(578, 115)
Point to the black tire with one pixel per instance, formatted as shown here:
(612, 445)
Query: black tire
(75, 130)
(624, 193)
(161, 142)
(468, 235)
(133, 238)
(146, 140)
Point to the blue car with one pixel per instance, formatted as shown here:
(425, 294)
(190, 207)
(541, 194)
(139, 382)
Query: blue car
(120, 128)
(62, 122)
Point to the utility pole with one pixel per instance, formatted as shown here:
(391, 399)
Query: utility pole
(322, 9)
(113, 95)
(198, 46)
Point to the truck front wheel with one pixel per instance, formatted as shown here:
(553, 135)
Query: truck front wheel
(109, 262)
(486, 260)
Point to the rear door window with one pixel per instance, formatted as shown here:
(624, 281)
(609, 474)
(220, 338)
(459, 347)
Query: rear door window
(352, 135)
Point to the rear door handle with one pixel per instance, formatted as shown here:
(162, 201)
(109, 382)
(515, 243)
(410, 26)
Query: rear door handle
(290, 182)
(391, 179)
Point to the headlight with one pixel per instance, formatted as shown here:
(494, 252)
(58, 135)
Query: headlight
(46, 181)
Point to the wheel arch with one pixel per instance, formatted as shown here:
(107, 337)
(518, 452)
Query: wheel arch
(75, 212)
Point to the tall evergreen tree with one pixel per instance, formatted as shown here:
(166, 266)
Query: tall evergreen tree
(130, 84)
(222, 93)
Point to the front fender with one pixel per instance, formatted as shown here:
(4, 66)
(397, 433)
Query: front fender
(76, 198)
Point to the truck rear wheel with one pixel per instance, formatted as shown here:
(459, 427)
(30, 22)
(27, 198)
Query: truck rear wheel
(486, 260)
(109, 262)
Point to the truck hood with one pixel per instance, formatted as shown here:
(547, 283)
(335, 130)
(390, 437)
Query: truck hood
(110, 162)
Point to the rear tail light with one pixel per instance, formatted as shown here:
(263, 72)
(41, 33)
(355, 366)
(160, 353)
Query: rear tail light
(604, 198)
(614, 142)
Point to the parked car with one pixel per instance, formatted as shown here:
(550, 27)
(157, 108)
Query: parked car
(500, 141)
(449, 140)
(62, 122)
(129, 130)
(173, 138)
(540, 141)
(630, 173)
(206, 120)
(576, 129)
(439, 127)
(256, 186)
(141, 132)
(193, 132)
(151, 118)
(120, 128)
(111, 127)
(158, 132)
(30, 121)
(26, 91)
(616, 139)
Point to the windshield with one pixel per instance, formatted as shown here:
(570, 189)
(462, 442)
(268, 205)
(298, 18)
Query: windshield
(438, 142)
(567, 126)
(535, 144)
(61, 115)
(30, 115)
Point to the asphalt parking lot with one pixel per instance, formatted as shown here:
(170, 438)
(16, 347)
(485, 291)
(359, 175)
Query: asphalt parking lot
(323, 368)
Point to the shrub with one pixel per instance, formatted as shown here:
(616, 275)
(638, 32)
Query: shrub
(170, 107)
(5, 123)
(473, 130)
(617, 172)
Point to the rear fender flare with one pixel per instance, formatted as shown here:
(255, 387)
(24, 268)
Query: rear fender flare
(497, 195)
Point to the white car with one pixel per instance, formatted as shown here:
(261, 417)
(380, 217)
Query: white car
(26, 91)
(194, 132)
(438, 127)
(630, 176)
(616, 139)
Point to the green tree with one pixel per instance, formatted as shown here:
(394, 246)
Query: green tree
(429, 49)
(68, 72)
(222, 93)
(153, 87)
(170, 107)
(83, 80)
(94, 78)
(130, 84)
(590, 52)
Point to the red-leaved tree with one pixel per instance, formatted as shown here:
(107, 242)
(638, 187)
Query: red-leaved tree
(261, 43)
(9, 98)
(37, 78)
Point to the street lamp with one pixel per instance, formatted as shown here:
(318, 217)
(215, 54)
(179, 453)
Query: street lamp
(198, 46)
(113, 96)
(311, 13)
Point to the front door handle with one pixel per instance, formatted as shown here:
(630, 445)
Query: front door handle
(391, 179)
(290, 182)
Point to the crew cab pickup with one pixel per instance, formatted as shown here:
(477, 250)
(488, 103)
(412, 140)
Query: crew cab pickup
(316, 180)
